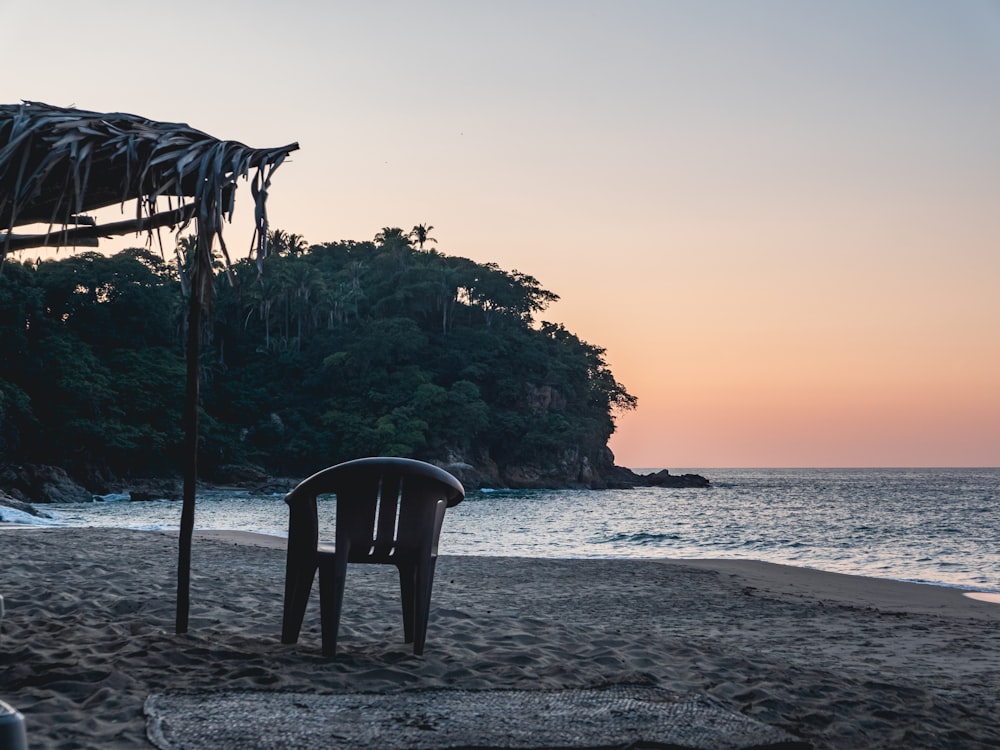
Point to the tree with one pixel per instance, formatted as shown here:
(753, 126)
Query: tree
(328, 354)
(421, 233)
(303, 288)
(394, 242)
(280, 242)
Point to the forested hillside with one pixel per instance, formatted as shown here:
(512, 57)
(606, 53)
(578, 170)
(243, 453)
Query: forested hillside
(325, 353)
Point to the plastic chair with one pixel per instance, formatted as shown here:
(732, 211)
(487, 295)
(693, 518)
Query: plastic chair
(12, 733)
(389, 511)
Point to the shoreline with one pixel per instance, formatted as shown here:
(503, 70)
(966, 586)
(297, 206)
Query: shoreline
(841, 661)
(778, 571)
(930, 528)
(778, 577)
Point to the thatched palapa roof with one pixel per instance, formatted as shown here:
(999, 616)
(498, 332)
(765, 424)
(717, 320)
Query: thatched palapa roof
(57, 164)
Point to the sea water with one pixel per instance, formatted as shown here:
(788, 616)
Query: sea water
(937, 526)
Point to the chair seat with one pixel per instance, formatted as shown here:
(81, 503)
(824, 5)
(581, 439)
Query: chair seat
(389, 511)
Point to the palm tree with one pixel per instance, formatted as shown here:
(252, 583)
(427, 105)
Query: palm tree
(392, 237)
(395, 242)
(266, 290)
(276, 241)
(185, 251)
(296, 244)
(421, 233)
(303, 286)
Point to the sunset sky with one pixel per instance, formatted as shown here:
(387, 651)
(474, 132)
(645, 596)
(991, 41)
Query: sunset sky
(780, 218)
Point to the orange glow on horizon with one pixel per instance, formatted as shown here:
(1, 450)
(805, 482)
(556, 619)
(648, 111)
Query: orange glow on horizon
(784, 232)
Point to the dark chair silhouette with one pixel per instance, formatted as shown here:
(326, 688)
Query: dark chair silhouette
(389, 511)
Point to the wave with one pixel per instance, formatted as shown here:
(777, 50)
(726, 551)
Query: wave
(113, 497)
(19, 517)
(924, 527)
(639, 539)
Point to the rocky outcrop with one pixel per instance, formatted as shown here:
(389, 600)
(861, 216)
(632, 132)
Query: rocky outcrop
(12, 502)
(242, 475)
(540, 399)
(150, 488)
(665, 479)
(572, 470)
(469, 475)
(42, 484)
(36, 483)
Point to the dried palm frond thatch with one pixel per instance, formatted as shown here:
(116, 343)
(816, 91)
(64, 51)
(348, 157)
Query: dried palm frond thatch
(58, 163)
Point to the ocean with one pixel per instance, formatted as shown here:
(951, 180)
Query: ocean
(939, 526)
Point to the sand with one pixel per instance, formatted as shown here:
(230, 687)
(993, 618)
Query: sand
(841, 661)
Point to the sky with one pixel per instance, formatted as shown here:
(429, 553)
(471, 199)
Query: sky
(781, 219)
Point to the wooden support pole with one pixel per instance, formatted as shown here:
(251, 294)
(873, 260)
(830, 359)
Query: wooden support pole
(192, 396)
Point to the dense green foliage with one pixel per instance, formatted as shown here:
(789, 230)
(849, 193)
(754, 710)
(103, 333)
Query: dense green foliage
(326, 353)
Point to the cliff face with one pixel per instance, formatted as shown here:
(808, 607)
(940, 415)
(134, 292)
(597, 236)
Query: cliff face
(589, 466)
(570, 466)
(571, 471)
(22, 485)
(42, 484)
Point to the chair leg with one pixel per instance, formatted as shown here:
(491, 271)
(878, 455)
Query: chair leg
(422, 608)
(298, 585)
(407, 584)
(332, 577)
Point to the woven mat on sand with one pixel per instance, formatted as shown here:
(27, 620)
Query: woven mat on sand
(609, 717)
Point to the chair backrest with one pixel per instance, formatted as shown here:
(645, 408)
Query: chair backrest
(388, 509)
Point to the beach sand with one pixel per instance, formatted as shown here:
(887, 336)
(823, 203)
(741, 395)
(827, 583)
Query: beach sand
(841, 661)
